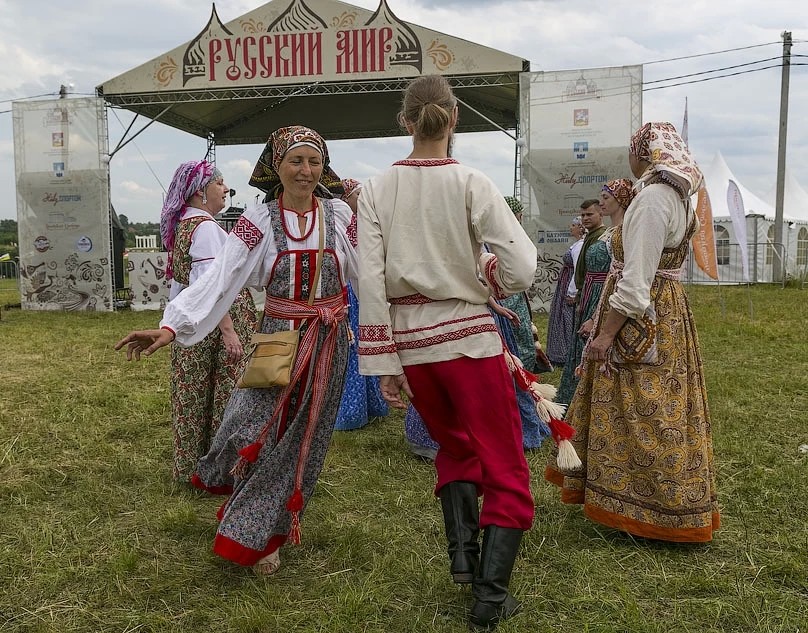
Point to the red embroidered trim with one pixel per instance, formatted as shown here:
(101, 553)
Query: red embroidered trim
(448, 336)
(374, 333)
(248, 233)
(351, 231)
(489, 272)
(487, 315)
(373, 351)
(409, 300)
(426, 162)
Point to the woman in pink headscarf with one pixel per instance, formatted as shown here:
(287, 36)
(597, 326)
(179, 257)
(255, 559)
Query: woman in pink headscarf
(272, 442)
(640, 411)
(204, 374)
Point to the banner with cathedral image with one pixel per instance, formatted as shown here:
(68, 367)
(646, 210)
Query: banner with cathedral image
(63, 208)
(576, 125)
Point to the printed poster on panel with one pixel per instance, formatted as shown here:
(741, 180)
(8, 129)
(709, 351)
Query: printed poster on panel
(576, 125)
(147, 280)
(63, 204)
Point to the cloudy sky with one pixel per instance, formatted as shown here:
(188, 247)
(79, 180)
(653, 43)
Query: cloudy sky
(85, 42)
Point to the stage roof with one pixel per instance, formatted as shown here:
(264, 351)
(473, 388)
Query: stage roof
(337, 68)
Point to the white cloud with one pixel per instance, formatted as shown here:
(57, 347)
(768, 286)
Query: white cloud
(90, 41)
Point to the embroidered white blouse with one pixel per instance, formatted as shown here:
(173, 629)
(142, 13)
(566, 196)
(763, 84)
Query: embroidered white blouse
(246, 259)
(206, 242)
(421, 228)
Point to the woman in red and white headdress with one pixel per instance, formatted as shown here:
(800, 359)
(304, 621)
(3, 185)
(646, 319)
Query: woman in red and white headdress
(272, 442)
(640, 410)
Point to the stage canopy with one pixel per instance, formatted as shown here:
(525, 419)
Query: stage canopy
(329, 65)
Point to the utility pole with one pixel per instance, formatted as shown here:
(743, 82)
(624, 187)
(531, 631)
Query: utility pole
(778, 266)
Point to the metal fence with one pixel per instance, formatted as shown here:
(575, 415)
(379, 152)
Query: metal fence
(9, 270)
(9, 283)
(765, 261)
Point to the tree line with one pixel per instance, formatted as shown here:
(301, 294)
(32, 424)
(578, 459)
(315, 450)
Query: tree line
(9, 234)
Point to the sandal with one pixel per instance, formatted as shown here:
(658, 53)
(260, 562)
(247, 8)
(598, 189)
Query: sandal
(268, 565)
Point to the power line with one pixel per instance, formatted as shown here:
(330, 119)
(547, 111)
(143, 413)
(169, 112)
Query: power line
(726, 50)
(619, 91)
(46, 94)
(715, 70)
(695, 81)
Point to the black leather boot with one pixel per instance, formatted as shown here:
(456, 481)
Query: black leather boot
(461, 517)
(492, 601)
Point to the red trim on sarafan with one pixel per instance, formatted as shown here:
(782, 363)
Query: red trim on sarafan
(196, 482)
(240, 554)
(248, 233)
(487, 315)
(381, 349)
(410, 300)
(447, 336)
(489, 272)
(426, 162)
(374, 333)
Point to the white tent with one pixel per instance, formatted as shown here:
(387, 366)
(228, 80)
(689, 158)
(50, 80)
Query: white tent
(795, 199)
(763, 254)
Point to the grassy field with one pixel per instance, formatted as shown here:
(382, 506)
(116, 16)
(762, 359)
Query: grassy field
(95, 537)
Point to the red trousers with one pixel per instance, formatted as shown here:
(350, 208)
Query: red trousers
(469, 407)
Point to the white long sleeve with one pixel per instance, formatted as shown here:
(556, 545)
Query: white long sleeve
(655, 220)
(421, 226)
(198, 309)
(206, 242)
(246, 259)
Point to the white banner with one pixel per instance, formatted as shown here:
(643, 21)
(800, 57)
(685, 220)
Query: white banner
(737, 214)
(576, 125)
(147, 281)
(63, 204)
(283, 42)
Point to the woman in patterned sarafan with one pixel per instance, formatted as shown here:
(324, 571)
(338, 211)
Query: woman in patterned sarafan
(640, 411)
(561, 317)
(204, 374)
(615, 197)
(361, 399)
(272, 442)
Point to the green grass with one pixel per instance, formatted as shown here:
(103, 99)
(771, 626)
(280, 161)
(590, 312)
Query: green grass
(94, 536)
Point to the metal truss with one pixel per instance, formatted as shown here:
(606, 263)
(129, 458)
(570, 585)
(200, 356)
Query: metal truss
(313, 89)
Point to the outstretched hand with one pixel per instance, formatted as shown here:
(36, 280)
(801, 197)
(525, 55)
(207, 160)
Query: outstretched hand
(391, 388)
(144, 342)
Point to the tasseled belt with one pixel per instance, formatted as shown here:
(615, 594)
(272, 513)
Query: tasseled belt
(328, 312)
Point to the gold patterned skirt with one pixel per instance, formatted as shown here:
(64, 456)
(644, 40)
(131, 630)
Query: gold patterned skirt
(643, 434)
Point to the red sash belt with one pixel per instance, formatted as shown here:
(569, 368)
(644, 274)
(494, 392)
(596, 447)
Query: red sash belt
(328, 312)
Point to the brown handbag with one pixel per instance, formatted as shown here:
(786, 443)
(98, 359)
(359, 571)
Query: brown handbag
(636, 342)
(273, 356)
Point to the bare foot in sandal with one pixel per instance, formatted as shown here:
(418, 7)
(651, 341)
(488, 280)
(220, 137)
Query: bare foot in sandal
(268, 565)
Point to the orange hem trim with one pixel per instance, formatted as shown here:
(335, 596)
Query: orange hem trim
(553, 476)
(647, 530)
(575, 497)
